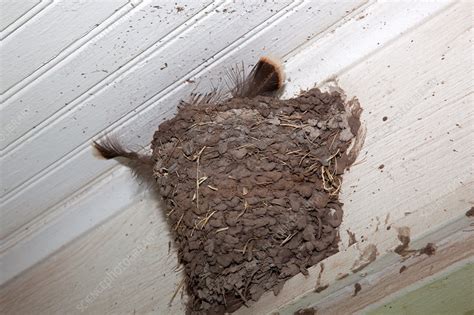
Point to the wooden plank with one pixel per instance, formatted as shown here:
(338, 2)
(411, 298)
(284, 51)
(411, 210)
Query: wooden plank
(21, 19)
(51, 31)
(13, 10)
(135, 242)
(50, 232)
(450, 293)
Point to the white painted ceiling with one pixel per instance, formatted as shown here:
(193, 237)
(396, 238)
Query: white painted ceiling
(72, 71)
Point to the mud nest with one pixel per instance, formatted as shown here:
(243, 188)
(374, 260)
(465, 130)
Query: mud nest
(250, 189)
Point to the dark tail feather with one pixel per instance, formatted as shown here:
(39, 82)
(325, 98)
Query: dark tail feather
(140, 164)
(110, 148)
(266, 78)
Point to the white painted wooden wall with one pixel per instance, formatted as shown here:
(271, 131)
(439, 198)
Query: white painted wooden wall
(72, 71)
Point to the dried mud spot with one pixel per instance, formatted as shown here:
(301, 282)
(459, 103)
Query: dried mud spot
(404, 248)
(306, 311)
(352, 238)
(357, 288)
(404, 237)
(429, 249)
(470, 212)
(366, 257)
(319, 288)
(341, 276)
(251, 187)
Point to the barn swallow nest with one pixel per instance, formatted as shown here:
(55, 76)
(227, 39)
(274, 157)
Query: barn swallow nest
(251, 185)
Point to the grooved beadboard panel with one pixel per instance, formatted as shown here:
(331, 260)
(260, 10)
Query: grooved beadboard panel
(46, 34)
(11, 10)
(139, 86)
(94, 65)
(22, 20)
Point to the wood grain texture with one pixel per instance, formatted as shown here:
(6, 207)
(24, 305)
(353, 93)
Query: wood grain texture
(108, 271)
(403, 63)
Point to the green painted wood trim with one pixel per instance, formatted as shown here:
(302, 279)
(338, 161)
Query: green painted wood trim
(449, 294)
